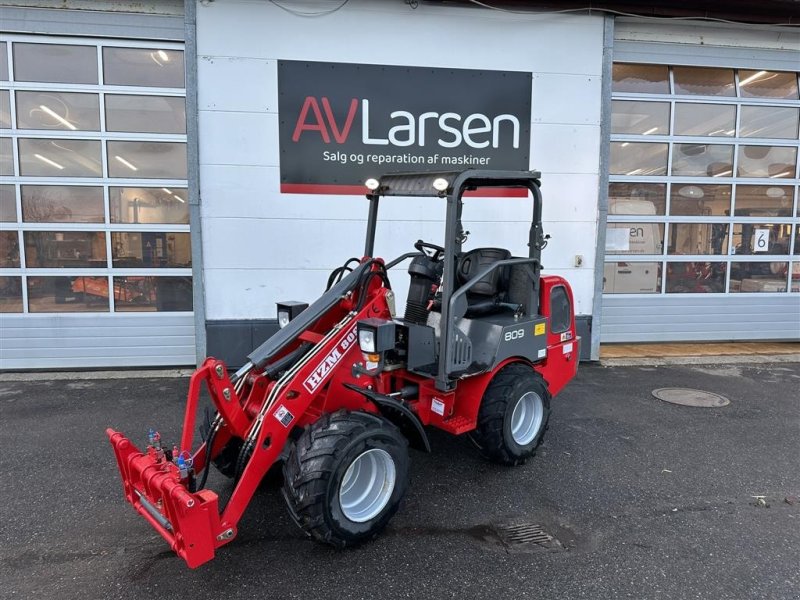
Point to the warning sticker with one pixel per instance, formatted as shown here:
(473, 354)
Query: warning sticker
(566, 336)
(542, 353)
(437, 406)
(539, 329)
(283, 415)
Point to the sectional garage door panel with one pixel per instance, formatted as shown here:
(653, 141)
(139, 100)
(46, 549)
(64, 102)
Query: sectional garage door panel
(676, 319)
(78, 341)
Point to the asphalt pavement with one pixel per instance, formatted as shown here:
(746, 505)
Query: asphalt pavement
(643, 499)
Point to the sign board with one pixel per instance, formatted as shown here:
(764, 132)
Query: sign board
(618, 239)
(341, 124)
(761, 240)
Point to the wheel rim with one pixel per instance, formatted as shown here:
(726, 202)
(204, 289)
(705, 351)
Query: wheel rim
(526, 420)
(367, 485)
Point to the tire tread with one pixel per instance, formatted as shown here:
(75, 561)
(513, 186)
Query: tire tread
(312, 462)
(489, 434)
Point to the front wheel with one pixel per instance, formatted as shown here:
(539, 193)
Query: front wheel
(513, 417)
(345, 477)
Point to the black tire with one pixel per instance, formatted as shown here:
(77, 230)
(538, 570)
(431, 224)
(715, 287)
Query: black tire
(494, 434)
(316, 467)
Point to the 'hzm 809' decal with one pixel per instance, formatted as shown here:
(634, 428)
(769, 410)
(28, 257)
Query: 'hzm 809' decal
(325, 367)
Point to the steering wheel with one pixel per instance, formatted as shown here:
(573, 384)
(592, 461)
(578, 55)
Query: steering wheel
(436, 253)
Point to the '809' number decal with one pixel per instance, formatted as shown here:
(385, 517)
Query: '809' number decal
(516, 334)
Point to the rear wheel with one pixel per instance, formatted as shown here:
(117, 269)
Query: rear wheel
(513, 417)
(345, 477)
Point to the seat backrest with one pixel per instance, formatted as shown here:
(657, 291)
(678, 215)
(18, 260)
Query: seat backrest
(472, 262)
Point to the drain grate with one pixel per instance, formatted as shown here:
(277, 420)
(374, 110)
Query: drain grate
(522, 536)
(691, 397)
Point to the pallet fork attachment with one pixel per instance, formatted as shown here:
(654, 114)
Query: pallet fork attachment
(187, 521)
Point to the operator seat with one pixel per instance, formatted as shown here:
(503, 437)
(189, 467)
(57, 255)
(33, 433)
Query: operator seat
(483, 297)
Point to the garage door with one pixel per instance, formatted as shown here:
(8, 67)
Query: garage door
(703, 241)
(95, 252)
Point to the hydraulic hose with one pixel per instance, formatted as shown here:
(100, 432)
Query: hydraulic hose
(209, 447)
(338, 273)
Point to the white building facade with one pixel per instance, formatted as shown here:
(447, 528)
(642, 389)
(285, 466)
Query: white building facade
(185, 207)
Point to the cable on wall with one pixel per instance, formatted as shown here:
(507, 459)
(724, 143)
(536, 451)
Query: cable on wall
(301, 13)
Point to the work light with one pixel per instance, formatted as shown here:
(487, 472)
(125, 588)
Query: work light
(372, 184)
(440, 184)
(375, 336)
(288, 311)
(366, 340)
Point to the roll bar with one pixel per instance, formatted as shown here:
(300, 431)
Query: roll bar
(422, 184)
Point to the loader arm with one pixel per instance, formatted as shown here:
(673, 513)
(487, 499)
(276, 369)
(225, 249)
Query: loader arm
(260, 411)
(278, 342)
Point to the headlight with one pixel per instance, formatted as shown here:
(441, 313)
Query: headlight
(440, 184)
(288, 311)
(366, 340)
(376, 336)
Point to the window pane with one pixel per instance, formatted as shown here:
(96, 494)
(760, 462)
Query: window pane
(703, 81)
(634, 158)
(153, 294)
(6, 157)
(65, 249)
(769, 122)
(8, 204)
(151, 114)
(5, 109)
(58, 110)
(698, 238)
(763, 201)
(62, 204)
(704, 119)
(645, 118)
(148, 205)
(9, 250)
(700, 200)
(156, 160)
(3, 62)
(767, 84)
(758, 238)
(759, 277)
(67, 294)
(151, 249)
(632, 278)
(641, 79)
(767, 161)
(143, 66)
(637, 198)
(10, 294)
(702, 160)
(60, 158)
(55, 63)
(634, 238)
(695, 277)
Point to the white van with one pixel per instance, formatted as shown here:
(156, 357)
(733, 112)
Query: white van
(632, 238)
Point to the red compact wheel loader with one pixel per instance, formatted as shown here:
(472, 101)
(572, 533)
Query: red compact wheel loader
(346, 386)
